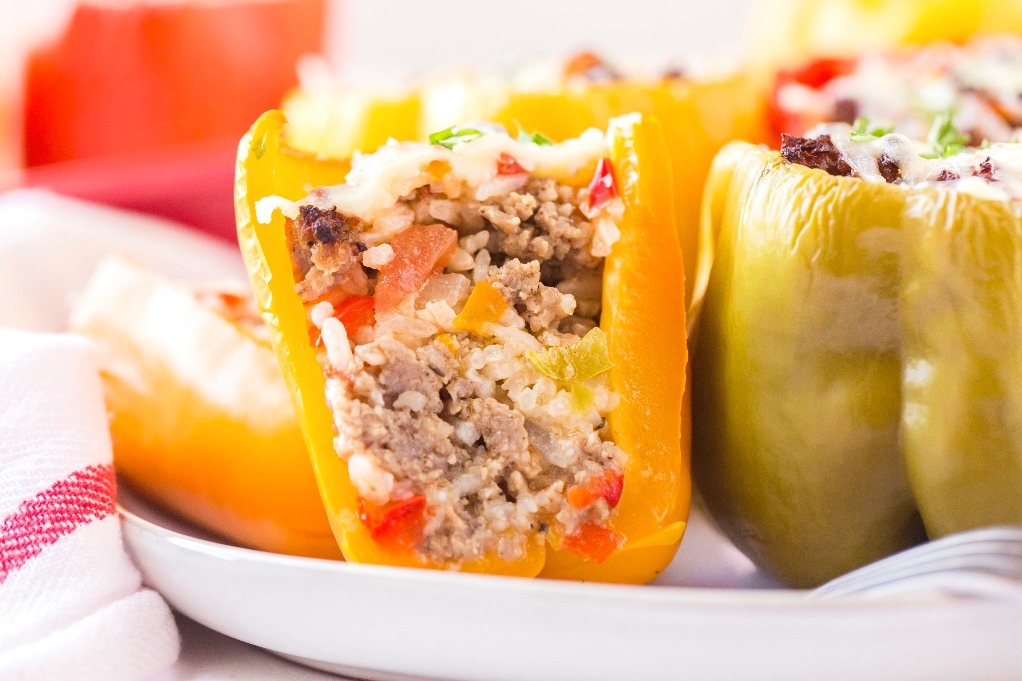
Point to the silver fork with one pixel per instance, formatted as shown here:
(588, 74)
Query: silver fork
(983, 563)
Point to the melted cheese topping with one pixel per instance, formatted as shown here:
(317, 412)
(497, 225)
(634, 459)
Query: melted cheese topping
(378, 180)
(965, 168)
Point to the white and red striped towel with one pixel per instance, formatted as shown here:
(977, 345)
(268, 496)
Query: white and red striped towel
(71, 602)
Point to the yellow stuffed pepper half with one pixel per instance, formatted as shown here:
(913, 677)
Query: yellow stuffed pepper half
(200, 419)
(485, 341)
(855, 373)
(559, 100)
(788, 32)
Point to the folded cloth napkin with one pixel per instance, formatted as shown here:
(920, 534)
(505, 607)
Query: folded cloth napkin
(71, 602)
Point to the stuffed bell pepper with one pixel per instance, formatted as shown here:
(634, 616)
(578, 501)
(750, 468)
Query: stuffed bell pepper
(560, 99)
(485, 340)
(909, 88)
(200, 419)
(855, 372)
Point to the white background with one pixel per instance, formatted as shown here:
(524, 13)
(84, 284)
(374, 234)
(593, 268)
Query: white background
(394, 38)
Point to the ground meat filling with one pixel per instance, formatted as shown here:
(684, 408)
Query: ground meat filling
(457, 422)
(818, 152)
(324, 252)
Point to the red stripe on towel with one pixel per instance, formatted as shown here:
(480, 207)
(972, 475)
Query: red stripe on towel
(78, 499)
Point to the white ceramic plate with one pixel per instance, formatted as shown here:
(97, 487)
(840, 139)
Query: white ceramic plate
(393, 623)
(702, 621)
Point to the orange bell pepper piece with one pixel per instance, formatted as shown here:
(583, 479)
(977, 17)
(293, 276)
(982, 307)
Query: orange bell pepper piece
(201, 421)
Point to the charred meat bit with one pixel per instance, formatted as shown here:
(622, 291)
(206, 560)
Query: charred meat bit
(673, 73)
(947, 176)
(324, 252)
(815, 153)
(846, 111)
(324, 226)
(889, 169)
(986, 171)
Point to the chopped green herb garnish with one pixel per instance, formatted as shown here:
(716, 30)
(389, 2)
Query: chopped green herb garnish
(580, 362)
(861, 132)
(526, 137)
(945, 139)
(453, 136)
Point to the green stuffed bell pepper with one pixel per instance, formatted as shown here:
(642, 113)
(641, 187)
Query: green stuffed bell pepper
(841, 409)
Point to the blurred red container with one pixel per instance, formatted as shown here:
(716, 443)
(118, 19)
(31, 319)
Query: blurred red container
(147, 76)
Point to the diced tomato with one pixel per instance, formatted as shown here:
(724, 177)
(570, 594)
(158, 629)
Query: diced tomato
(818, 73)
(355, 312)
(419, 251)
(603, 188)
(230, 299)
(508, 165)
(580, 63)
(814, 75)
(396, 526)
(592, 541)
(607, 486)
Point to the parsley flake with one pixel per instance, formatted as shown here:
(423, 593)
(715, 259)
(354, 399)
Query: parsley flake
(945, 139)
(861, 132)
(454, 135)
(538, 138)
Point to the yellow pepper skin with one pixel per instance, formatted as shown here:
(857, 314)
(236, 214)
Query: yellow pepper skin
(788, 32)
(200, 419)
(644, 318)
(852, 369)
(698, 118)
(369, 118)
(796, 376)
(962, 309)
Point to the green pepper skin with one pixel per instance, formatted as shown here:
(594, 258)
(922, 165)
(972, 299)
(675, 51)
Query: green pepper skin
(962, 421)
(796, 370)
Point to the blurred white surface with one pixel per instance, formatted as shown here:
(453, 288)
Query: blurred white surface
(75, 236)
(396, 38)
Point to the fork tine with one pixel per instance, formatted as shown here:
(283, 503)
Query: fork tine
(996, 565)
(992, 551)
(955, 584)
